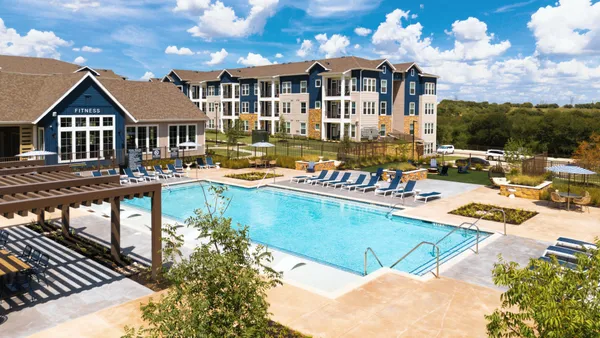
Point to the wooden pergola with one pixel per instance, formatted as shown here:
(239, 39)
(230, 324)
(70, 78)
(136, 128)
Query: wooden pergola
(20, 164)
(40, 189)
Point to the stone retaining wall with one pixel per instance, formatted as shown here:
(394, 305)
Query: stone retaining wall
(523, 191)
(415, 175)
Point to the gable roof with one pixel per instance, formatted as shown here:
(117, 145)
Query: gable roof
(35, 65)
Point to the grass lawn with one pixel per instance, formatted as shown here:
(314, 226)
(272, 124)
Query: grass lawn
(396, 165)
(474, 177)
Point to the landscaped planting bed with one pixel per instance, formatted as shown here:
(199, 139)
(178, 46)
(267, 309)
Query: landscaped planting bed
(253, 176)
(476, 210)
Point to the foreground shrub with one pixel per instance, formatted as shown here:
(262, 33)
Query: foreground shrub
(476, 210)
(252, 176)
(530, 181)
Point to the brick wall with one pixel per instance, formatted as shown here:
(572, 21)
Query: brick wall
(314, 117)
(387, 120)
(407, 121)
(251, 118)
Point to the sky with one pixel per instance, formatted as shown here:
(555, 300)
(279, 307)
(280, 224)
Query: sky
(498, 51)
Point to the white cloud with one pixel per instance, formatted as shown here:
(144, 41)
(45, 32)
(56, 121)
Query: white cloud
(510, 7)
(180, 51)
(147, 76)
(217, 57)
(328, 8)
(76, 5)
(279, 55)
(34, 43)
(334, 46)
(570, 27)
(191, 6)
(362, 31)
(254, 60)
(87, 49)
(220, 21)
(80, 60)
(305, 48)
(134, 36)
(357, 46)
(414, 16)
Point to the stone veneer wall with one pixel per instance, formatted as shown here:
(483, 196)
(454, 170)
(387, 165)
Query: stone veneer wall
(325, 165)
(314, 117)
(415, 175)
(251, 118)
(522, 191)
(387, 120)
(407, 121)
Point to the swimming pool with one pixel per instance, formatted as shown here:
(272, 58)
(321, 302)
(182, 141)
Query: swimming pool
(328, 230)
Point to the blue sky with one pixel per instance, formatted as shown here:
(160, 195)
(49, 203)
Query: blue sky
(521, 50)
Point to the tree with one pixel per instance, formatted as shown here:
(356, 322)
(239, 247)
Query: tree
(235, 132)
(545, 299)
(515, 151)
(220, 289)
(587, 153)
(282, 131)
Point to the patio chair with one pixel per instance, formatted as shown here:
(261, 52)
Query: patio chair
(310, 168)
(359, 181)
(251, 163)
(24, 255)
(96, 174)
(3, 238)
(39, 269)
(433, 166)
(178, 164)
(273, 163)
(131, 177)
(321, 176)
(175, 172)
(331, 178)
(35, 256)
(425, 197)
(378, 173)
(339, 182)
(371, 185)
(200, 163)
(408, 190)
(161, 174)
(259, 162)
(562, 263)
(146, 175)
(557, 199)
(209, 162)
(444, 171)
(562, 253)
(123, 180)
(463, 169)
(393, 187)
(575, 244)
(584, 201)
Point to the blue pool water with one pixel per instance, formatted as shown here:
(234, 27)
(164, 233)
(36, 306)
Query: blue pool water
(329, 230)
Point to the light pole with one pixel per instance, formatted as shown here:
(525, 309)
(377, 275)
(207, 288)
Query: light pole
(412, 131)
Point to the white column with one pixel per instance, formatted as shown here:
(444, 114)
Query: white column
(273, 107)
(323, 107)
(342, 101)
(341, 130)
(201, 93)
(258, 99)
(221, 122)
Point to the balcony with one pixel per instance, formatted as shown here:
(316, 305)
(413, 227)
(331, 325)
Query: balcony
(337, 92)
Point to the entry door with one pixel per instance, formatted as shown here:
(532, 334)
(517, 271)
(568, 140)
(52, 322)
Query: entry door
(9, 141)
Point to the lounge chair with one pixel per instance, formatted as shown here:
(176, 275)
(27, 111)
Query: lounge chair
(408, 190)
(96, 174)
(310, 168)
(123, 178)
(444, 171)
(178, 164)
(463, 169)
(209, 162)
(146, 175)
(339, 182)
(562, 253)
(378, 173)
(426, 196)
(433, 166)
(200, 163)
(331, 178)
(369, 186)
(359, 181)
(158, 170)
(321, 176)
(175, 172)
(131, 177)
(575, 244)
(562, 263)
(393, 187)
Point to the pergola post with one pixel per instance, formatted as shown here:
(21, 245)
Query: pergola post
(115, 228)
(156, 210)
(66, 220)
(41, 218)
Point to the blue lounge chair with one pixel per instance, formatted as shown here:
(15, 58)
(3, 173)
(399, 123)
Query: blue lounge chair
(96, 174)
(331, 178)
(463, 169)
(393, 187)
(408, 190)
(428, 195)
(158, 170)
(310, 168)
(575, 244)
(209, 162)
(339, 182)
(378, 173)
(123, 179)
(368, 186)
(145, 174)
(175, 172)
(321, 176)
(563, 254)
(131, 177)
(178, 164)
(562, 263)
(359, 181)
(200, 163)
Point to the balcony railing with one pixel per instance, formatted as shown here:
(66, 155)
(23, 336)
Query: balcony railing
(334, 114)
(337, 92)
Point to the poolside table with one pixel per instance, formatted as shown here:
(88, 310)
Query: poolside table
(10, 264)
(569, 197)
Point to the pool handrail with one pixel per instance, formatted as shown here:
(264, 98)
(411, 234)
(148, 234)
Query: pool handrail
(437, 257)
(460, 227)
(373, 253)
(494, 209)
(265, 176)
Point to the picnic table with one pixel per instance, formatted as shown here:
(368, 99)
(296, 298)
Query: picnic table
(10, 264)
(569, 197)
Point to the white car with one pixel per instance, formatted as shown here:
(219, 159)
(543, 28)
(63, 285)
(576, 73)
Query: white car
(495, 155)
(445, 149)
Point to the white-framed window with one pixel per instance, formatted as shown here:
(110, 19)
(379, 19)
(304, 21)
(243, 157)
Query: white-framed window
(428, 149)
(318, 83)
(211, 107)
(384, 69)
(245, 107)
(303, 86)
(413, 88)
(204, 107)
(383, 86)
(369, 84)
(429, 108)
(286, 87)
(255, 106)
(256, 125)
(353, 108)
(245, 125)
(317, 126)
(317, 104)
(429, 88)
(412, 72)
(303, 107)
(141, 137)
(302, 128)
(85, 137)
(40, 144)
(428, 128)
(353, 130)
(382, 130)
(211, 124)
(195, 92)
(245, 89)
(288, 127)
(383, 108)
(255, 88)
(211, 90)
(353, 84)
(411, 109)
(286, 107)
(368, 107)
(179, 133)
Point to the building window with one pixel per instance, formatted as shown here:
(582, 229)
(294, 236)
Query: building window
(318, 83)
(256, 107)
(353, 84)
(256, 125)
(195, 92)
(211, 91)
(411, 109)
(317, 126)
(303, 87)
(383, 86)
(245, 89)
(353, 107)
(412, 72)
(211, 107)
(255, 88)
(286, 107)
(302, 128)
(369, 85)
(413, 88)
(87, 135)
(382, 130)
(429, 108)
(245, 107)
(428, 129)
(429, 88)
(180, 134)
(245, 125)
(383, 108)
(288, 127)
(286, 87)
(317, 104)
(303, 107)
(142, 137)
(368, 108)
(352, 130)
(211, 124)
(384, 69)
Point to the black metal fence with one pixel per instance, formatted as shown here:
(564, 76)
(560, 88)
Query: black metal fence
(537, 165)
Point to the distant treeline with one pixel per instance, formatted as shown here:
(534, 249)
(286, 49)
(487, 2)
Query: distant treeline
(468, 124)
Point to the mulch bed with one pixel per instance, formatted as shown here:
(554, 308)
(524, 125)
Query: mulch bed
(476, 210)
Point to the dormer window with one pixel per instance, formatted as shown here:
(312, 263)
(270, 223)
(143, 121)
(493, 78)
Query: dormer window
(384, 69)
(412, 72)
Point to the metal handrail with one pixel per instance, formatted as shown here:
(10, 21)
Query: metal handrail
(261, 181)
(460, 227)
(495, 209)
(392, 208)
(477, 242)
(373, 253)
(437, 256)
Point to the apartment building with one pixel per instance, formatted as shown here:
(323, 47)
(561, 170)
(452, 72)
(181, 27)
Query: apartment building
(323, 99)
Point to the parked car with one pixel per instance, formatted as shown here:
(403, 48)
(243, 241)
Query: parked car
(495, 154)
(473, 161)
(445, 149)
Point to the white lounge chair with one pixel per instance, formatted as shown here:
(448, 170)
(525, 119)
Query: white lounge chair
(428, 195)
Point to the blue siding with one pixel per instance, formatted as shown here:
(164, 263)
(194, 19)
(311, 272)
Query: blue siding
(216, 84)
(226, 78)
(77, 99)
(178, 82)
(411, 98)
(295, 80)
(314, 93)
(251, 98)
(388, 76)
(423, 80)
(369, 74)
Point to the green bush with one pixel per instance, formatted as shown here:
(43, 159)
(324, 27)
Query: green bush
(530, 181)
(252, 176)
(478, 167)
(476, 210)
